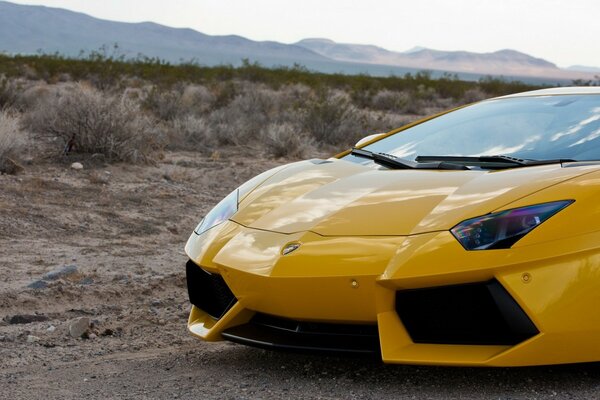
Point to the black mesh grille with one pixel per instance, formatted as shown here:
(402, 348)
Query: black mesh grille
(207, 291)
(275, 332)
(479, 313)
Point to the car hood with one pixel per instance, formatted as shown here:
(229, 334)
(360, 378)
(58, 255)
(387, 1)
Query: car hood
(340, 198)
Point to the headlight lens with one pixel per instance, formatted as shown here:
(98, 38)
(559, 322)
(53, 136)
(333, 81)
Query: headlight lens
(503, 229)
(220, 213)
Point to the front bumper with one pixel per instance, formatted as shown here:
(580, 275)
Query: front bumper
(358, 282)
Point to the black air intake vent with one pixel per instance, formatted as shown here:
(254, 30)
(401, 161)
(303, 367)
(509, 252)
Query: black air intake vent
(207, 291)
(268, 331)
(477, 314)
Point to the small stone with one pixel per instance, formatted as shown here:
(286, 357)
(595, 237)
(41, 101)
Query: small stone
(38, 285)
(78, 327)
(32, 339)
(156, 303)
(77, 166)
(107, 332)
(60, 273)
(86, 281)
(51, 329)
(25, 319)
(92, 336)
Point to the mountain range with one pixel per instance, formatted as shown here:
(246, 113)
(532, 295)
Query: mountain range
(26, 29)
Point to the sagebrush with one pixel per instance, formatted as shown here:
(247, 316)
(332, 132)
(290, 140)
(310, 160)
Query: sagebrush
(13, 143)
(86, 120)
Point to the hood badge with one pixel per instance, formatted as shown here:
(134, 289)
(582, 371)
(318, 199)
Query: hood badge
(290, 247)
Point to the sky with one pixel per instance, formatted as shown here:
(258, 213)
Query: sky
(560, 31)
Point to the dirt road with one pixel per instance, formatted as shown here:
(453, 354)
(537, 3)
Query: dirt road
(106, 243)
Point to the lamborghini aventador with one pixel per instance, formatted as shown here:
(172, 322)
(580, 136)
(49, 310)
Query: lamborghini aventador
(469, 238)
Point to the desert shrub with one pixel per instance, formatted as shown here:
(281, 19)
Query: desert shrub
(86, 120)
(165, 104)
(473, 95)
(379, 122)
(197, 99)
(285, 140)
(240, 122)
(225, 93)
(31, 95)
(191, 133)
(13, 143)
(390, 101)
(332, 119)
(9, 93)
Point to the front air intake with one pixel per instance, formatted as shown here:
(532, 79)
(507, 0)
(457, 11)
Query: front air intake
(271, 332)
(207, 291)
(474, 314)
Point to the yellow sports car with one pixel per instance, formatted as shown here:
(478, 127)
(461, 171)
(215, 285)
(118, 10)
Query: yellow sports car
(469, 238)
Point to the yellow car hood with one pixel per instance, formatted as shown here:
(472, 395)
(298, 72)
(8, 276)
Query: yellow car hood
(340, 198)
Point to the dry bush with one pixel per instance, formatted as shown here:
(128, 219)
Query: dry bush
(390, 101)
(332, 119)
(8, 93)
(164, 104)
(197, 99)
(191, 133)
(380, 122)
(240, 122)
(284, 140)
(31, 95)
(473, 95)
(89, 121)
(13, 143)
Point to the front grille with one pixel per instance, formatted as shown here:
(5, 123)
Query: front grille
(207, 291)
(480, 314)
(281, 333)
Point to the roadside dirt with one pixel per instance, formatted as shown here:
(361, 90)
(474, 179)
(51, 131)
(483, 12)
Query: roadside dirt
(123, 229)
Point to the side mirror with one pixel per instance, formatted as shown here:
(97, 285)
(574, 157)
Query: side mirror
(368, 139)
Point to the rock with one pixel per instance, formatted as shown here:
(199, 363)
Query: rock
(11, 167)
(38, 285)
(60, 273)
(78, 327)
(51, 329)
(86, 281)
(107, 332)
(32, 339)
(92, 336)
(156, 303)
(77, 166)
(25, 319)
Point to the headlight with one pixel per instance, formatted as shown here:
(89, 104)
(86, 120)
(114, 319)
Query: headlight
(503, 229)
(220, 213)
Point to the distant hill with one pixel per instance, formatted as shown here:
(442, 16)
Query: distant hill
(502, 62)
(28, 29)
(583, 68)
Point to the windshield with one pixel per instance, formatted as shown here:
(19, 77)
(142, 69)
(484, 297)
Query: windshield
(541, 128)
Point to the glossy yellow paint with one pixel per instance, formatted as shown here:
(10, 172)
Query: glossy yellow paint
(387, 230)
(413, 249)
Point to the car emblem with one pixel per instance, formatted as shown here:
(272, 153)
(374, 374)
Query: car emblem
(289, 248)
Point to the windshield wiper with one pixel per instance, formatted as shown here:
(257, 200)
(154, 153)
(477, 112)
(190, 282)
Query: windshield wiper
(493, 162)
(390, 161)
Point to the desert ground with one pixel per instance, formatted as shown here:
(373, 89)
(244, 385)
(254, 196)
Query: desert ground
(106, 243)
